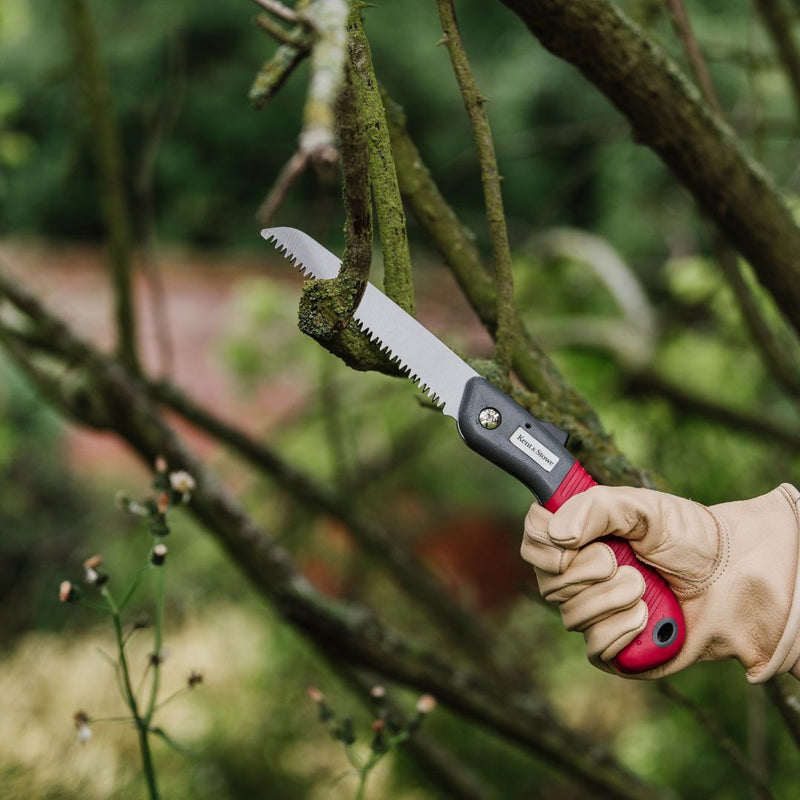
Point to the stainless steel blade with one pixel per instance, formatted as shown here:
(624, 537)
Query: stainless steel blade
(428, 361)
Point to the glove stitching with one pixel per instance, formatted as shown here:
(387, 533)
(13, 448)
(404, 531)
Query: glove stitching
(721, 562)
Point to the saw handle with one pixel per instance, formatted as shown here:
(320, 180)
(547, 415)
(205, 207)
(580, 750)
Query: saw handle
(498, 428)
(664, 634)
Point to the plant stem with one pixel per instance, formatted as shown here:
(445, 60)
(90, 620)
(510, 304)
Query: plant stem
(157, 636)
(142, 726)
(147, 759)
(362, 784)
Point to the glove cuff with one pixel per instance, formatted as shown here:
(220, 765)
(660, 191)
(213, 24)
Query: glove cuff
(787, 652)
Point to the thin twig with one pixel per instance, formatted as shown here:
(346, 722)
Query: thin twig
(778, 351)
(681, 23)
(691, 403)
(108, 148)
(788, 713)
(490, 178)
(279, 10)
(164, 119)
(717, 734)
(287, 178)
(274, 73)
(276, 30)
(779, 24)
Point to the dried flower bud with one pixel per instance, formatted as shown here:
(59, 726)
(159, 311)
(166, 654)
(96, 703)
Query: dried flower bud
(68, 592)
(315, 694)
(426, 704)
(378, 740)
(81, 720)
(325, 712)
(162, 503)
(158, 555)
(93, 563)
(156, 659)
(93, 576)
(194, 679)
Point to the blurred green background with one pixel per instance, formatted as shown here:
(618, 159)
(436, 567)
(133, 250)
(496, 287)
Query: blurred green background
(569, 164)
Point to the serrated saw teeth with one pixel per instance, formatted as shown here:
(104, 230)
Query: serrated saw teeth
(429, 362)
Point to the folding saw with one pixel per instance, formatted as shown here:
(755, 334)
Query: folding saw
(494, 425)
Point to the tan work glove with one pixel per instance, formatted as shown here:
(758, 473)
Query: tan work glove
(733, 567)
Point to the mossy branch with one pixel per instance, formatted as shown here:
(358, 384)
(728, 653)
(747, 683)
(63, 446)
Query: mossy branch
(326, 307)
(668, 115)
(551, 397)
(383, 177)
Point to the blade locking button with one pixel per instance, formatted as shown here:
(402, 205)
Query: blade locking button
(489, 418)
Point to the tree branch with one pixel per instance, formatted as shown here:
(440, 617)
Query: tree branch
(383, 178)
(490, 179)
(683, 27)
(97, 95)
(668, 116)
(691, 404)
(778, 21)
(340, 631)
(780, 357)
(553, 400)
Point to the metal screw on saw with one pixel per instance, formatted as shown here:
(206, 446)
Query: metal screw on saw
(490, 418)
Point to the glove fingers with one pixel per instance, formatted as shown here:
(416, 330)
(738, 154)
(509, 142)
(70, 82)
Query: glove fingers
(537, 547)
(591, 564)
(590, 515)
(603, 600)
(606, 638)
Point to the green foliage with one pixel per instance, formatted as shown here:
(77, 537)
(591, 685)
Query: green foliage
(40, 506)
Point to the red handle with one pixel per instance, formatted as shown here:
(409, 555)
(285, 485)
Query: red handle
(665, 632)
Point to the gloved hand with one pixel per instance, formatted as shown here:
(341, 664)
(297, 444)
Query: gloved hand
(733, 567)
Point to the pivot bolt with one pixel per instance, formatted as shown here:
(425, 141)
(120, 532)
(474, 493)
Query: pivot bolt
(490, 418)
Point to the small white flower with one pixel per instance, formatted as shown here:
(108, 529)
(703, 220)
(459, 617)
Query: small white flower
(426, 704)
(93, 576)
(181, 481)
(84, 733)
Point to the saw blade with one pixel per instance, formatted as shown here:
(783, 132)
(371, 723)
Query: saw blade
(428, 361)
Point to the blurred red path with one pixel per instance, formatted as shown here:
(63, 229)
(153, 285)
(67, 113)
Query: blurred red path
(202, 308)
(200, 295)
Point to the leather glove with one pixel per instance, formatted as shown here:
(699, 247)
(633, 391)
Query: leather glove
(733, 568)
